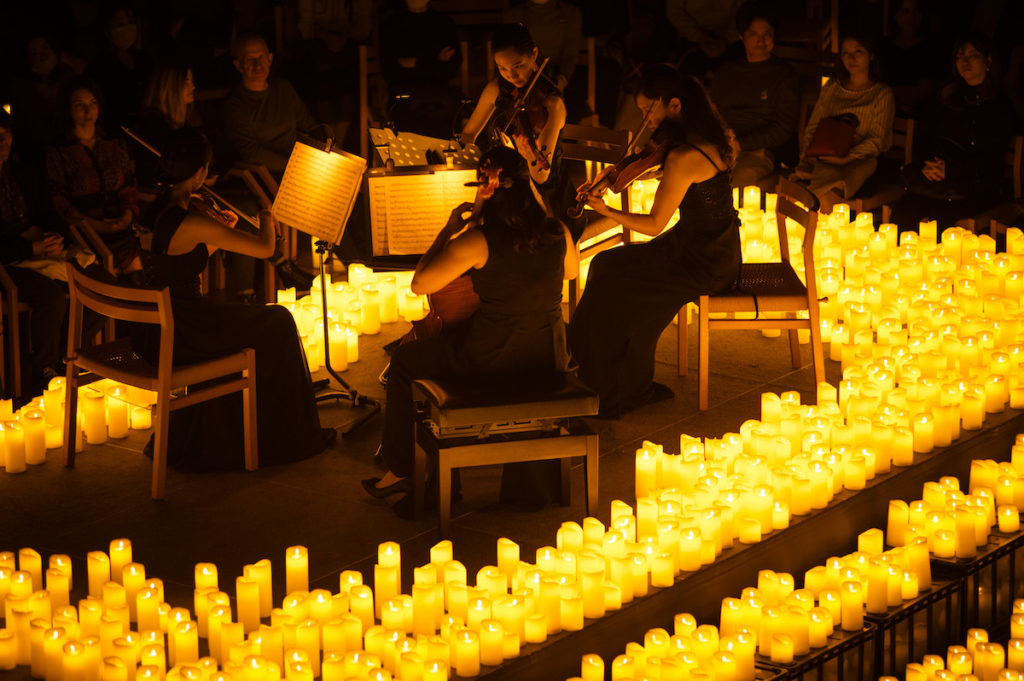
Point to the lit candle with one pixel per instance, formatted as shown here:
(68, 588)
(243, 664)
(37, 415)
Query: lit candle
(120, 555)
(94, 411)
(467, 653)
(851, 606)
(1009, 519)
(117, 413)
(296, 569)
(35, 436)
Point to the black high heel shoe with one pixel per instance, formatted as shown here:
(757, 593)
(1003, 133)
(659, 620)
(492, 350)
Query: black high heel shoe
(370, 485)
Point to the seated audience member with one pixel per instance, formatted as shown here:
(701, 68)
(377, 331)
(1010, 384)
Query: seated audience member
(208, 436)
(857, 109)
(91, 178)
(557, 28)
(909, 59)
(517, 258)
(759, 97)
(122, 70)
(325, 63)
(166, 107)
(29, 231)
(37, 93)
(263, 116)
(960, 142)
(705, 28)
(419, 58)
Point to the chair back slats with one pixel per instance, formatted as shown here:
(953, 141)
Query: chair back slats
(146, 306)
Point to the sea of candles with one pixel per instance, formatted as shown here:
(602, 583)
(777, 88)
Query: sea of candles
(355, 307)
(106, 409)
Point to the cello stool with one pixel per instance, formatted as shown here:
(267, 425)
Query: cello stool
(472, 424)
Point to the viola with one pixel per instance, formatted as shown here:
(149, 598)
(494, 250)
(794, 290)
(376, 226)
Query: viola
(626, 171)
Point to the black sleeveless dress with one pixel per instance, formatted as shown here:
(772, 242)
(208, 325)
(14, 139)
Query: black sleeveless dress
(633, 292)
(517, 332)
(208, 436)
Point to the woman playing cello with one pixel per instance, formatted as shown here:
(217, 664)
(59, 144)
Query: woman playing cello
(517, 258)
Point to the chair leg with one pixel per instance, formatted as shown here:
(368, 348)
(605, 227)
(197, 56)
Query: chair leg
(444, 490)
(794, 347)
(703, 355)
(565, 471)
(590, 472)
(161, 421)
(817, 353)
(15, 351)
(684, 342)
(419, 476)
(249, 421)
(70, 415)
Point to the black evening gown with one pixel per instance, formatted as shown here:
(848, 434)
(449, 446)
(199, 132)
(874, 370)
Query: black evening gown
(208, 436)
(517, 333)
(633, 292)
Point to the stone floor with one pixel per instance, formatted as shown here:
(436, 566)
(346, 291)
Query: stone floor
(238, 518)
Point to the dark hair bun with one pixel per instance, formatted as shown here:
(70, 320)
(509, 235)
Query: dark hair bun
(185, 152)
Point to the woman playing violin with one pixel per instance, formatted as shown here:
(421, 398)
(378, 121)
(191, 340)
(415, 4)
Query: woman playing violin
(517, 258)
(535, 132)
(208, 436)
(633, 292)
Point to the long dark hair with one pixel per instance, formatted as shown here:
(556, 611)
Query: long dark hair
(514, 205)
(699, 115)
(512, 36)
(842, 75)
(71, 87)
(983, 44)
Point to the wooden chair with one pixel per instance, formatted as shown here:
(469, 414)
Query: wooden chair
(818, 28)
(595, 145)
(766, 287)
(10, 329)
(118, 361)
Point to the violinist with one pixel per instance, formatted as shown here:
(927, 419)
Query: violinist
(535, 127)
(208, 436)
(633, 292)
(517, 258)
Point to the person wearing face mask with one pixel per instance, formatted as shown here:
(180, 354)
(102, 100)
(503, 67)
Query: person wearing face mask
(122, 69)
(517, 258)
(961, 140)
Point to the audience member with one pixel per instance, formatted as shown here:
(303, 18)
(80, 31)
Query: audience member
(263, 116)
(325, 67)
(166, 107)
(30, 232)
(706, 28)
(834, 168)
(420, 56)
(122, 70)
(759, 97)
(910, 60)
(37, 93)
(91, 178)
(961, 142)
(557, 28)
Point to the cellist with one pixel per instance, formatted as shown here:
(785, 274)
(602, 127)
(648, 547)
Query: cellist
(517, 258)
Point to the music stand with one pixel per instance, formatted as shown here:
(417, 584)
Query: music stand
(316, 197)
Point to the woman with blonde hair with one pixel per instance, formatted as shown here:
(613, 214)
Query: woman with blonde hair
(166, 107)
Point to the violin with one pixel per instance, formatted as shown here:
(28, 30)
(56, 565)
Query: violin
(210, 203)
(627, 170)
(527, 114)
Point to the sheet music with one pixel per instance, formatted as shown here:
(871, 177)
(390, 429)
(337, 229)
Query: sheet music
(407, 211)
(409, 149)
(318, 191)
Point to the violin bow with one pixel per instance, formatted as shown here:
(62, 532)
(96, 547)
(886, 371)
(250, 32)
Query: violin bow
(214, 195)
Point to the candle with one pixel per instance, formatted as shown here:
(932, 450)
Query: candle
(142, 418)
(94, 411)
(369, 297)
(35, 436)
(296, 569)
(120, 555)
(247, 596)
(1009, 519)
(851, 596)
(467, 653)
(117, 413)
(14, 447)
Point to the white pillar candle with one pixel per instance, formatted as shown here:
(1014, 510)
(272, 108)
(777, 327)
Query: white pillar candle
(142, 418)
(352, 335)
(94, 415)
(296, 569)
(369, 297)
(117, 413)
(338, 347)
(14, 446)
(388, 299)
